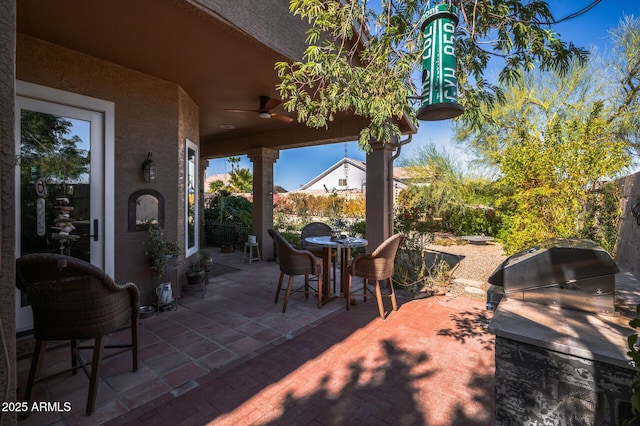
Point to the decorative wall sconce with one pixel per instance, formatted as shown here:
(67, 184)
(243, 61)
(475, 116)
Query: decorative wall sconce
(149, 169)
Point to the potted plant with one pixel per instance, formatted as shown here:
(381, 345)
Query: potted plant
(195, 273)
(162, 253)
(206, 260)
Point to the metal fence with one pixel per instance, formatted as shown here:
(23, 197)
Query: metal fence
(226, 233)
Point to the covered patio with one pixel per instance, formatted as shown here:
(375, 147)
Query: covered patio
(232, 357)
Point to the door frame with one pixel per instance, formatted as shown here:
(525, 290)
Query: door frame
(107, 110)
(101, 115)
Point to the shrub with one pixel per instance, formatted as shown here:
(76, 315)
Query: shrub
(474, 221)
(229, 208)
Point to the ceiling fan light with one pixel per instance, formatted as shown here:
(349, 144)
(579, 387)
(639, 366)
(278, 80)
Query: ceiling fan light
(265, 115)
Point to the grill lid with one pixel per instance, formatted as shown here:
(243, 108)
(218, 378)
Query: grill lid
(555, 261)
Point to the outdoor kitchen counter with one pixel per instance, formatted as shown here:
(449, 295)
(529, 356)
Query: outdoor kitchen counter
(582, 334)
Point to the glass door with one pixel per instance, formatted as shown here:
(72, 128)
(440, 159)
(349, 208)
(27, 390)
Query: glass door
(60, 179)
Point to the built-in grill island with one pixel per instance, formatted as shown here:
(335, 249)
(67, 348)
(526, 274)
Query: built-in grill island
(560, 352)
(568, 273)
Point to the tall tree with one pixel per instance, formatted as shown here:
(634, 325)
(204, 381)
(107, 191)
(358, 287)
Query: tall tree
(438, 177)
(557, 137)
(235, 163)
(362, 57)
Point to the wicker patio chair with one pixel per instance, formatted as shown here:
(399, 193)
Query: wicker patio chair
(74, 300)
(296, 262)
(319, 229)
(376, 266)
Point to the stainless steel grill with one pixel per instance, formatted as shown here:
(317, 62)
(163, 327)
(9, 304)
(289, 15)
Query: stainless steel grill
(569, 273)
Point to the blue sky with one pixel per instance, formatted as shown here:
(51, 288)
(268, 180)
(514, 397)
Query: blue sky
(298, 166)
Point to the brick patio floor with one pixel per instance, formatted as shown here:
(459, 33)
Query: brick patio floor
(232, 358)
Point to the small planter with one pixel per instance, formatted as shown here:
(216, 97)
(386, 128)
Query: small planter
(196, 282)
(196, 277)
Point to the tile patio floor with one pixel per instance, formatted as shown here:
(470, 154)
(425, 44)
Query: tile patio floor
(232, 358)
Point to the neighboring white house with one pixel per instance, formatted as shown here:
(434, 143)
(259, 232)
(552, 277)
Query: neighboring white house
(347, 176)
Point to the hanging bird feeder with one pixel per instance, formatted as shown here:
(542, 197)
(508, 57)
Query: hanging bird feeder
(439, 82)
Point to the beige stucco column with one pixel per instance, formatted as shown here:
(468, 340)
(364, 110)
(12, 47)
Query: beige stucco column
(379, 194)
(263, 160)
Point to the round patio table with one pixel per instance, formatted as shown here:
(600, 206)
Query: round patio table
(345, 245)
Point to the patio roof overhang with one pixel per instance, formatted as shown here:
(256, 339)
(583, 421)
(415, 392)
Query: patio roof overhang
(222, 53)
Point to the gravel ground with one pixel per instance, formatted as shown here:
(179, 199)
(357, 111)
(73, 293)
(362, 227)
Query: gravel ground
(470, 276)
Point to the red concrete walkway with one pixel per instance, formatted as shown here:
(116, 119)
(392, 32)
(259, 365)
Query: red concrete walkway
(233, 358)
(430, 363)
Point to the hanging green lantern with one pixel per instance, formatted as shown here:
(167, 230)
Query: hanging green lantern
(439, 82)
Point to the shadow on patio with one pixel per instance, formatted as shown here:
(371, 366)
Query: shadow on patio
(234, 358)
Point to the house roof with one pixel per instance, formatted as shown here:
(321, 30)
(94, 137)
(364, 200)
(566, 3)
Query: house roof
(397, 172)
(355, 163)
(221, 53)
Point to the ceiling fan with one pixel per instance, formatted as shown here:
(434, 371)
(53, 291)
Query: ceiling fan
(266, 105)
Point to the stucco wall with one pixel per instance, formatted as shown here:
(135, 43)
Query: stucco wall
(7, 217)
(356, 178)
(151, 115)
(628, 250)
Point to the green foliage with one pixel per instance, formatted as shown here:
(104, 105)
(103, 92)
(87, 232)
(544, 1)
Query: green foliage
(195, 268)
(216, 186)
(240, 181)
(359, 229)
(554, 142)
(414, 212)
(474, 221)
(159, 250)
(229, 208)
(205, 255)
(547, 176)
(294, 238)
(442, 198)
(601, 216)
(439, 177)
(625, 66)
(361, 58)
(235, 163)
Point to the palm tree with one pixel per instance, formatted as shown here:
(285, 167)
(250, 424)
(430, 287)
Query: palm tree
(235, 163)
(216, 186)
(241, 180)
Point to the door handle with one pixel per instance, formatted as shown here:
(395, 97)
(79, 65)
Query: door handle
(95, 230)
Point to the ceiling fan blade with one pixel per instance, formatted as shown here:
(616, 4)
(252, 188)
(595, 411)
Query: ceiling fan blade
(242, 110)
(271, 104)
(282, 117)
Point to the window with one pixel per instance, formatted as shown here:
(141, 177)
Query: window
(191, 198)
(342, 182)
